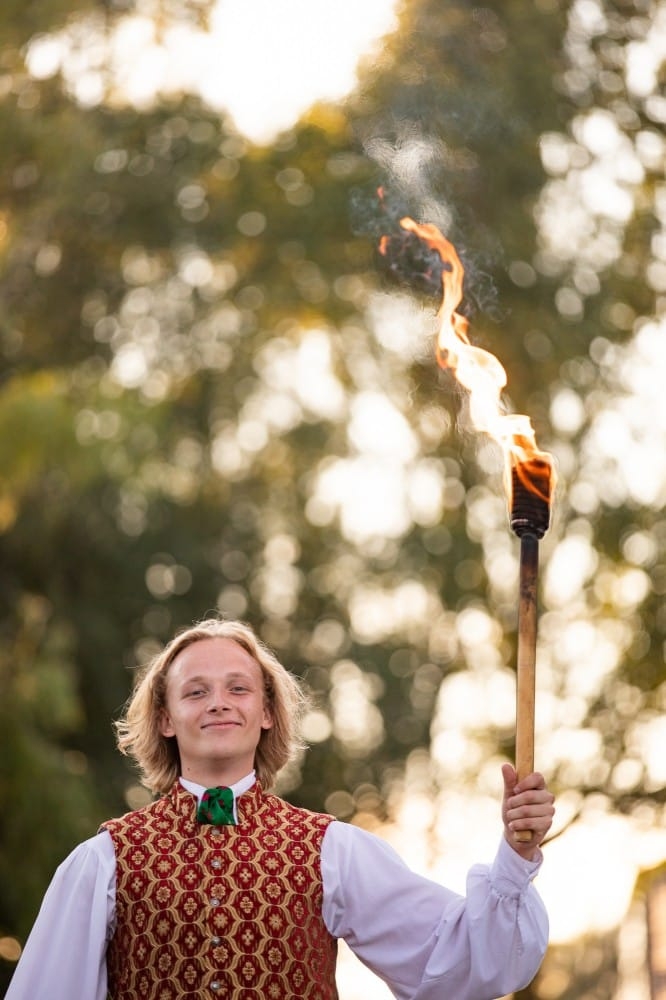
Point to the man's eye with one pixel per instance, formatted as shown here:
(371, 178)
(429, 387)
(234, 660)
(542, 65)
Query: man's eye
(194, 693)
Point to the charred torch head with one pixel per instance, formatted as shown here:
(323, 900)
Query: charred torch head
(531, 485)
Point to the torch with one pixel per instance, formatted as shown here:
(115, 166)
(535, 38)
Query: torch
(529, 478)
(530, 490)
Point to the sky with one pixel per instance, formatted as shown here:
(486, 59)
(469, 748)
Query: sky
(301, 51)
(306, 50)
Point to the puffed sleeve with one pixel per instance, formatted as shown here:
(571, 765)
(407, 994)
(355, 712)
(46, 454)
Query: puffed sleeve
(424, 940)
(65, 954)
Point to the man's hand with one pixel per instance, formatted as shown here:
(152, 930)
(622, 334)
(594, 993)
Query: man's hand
(526, 805)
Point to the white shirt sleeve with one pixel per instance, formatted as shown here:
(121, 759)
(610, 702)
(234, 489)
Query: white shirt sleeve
(424, 940)
(65, 954)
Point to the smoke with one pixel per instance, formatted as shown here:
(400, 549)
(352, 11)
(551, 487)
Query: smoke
(410, 169)
(411, 164)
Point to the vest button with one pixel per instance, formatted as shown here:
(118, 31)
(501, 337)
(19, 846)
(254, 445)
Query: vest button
(215, 941)
(215, 985)
(214, 901)
(216, 863)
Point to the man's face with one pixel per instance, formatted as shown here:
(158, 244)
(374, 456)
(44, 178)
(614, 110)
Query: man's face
(216, 709)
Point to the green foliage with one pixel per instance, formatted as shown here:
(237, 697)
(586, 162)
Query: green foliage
(164, 285)
(44, 786)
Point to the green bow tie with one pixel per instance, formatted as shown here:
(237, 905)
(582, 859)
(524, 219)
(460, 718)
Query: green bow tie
(217, 807)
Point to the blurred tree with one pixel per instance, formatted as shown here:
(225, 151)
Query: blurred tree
(212, 398)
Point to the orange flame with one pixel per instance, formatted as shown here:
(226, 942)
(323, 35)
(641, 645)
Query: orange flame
(481, 373)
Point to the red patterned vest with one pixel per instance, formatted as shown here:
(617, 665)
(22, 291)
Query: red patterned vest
(228, 911)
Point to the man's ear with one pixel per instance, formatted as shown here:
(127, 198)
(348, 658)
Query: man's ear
(267, 719)
(164, 723)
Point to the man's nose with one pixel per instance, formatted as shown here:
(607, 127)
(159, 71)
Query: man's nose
(217, 701)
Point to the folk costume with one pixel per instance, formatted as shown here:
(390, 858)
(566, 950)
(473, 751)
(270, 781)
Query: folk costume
(219, 909)
(159, 906)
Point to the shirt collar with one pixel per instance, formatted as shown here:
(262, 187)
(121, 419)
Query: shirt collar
(237, 788)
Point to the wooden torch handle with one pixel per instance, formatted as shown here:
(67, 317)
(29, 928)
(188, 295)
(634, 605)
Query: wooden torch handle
(526, 664)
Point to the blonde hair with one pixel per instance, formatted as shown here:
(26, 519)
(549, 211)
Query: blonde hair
(157, 757)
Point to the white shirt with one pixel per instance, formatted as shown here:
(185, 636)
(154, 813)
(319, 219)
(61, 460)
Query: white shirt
(425, 941)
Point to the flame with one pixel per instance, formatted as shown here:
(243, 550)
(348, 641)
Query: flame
(482, 374)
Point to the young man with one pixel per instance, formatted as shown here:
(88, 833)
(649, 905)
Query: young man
(234, 893)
